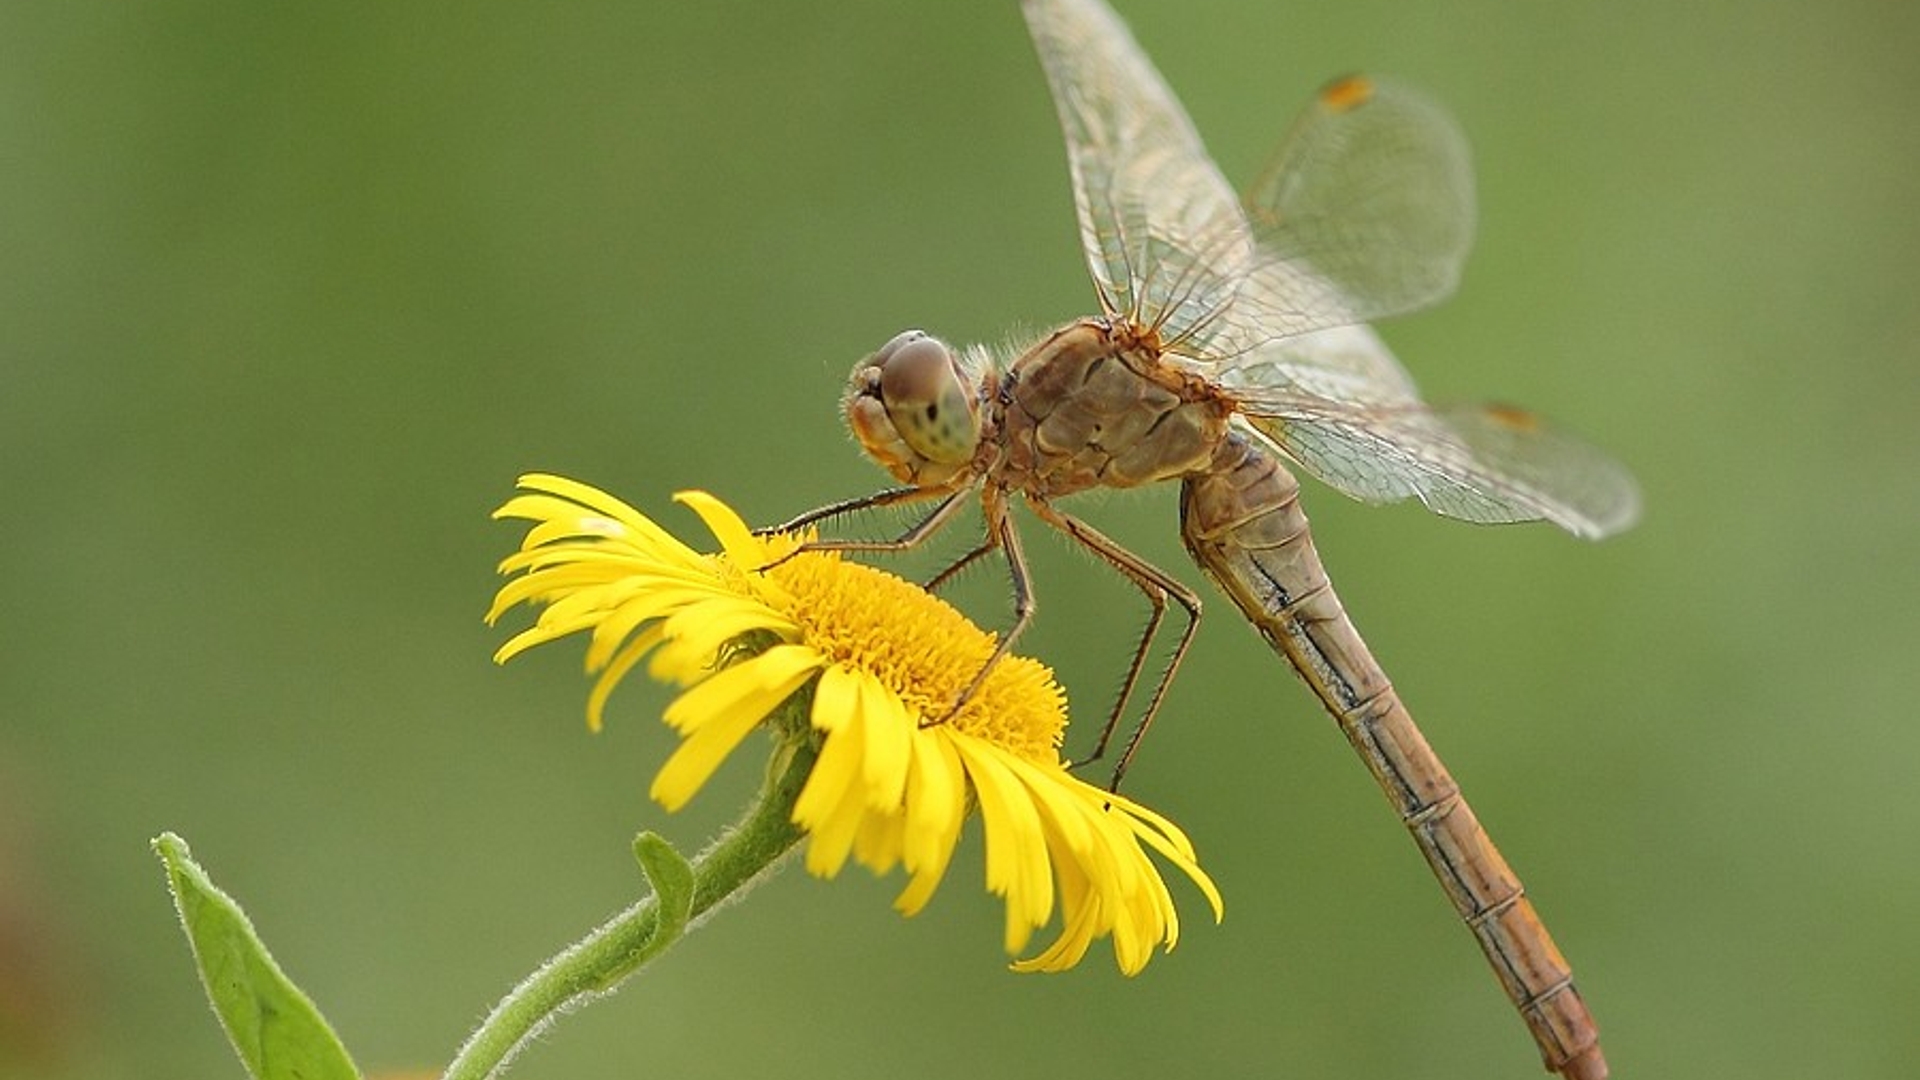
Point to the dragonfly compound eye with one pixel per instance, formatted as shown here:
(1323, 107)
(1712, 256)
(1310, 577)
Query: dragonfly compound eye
(927, 399)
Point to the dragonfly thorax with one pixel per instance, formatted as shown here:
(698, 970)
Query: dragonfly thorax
(915, 408)
(1097, 404)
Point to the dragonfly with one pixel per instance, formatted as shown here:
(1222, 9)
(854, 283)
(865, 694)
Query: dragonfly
(1231, 350)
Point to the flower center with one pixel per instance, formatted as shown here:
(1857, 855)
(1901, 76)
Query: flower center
(925, 650)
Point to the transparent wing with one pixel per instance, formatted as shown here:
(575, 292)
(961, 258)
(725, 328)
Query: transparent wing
(1163, 232)
(1347, 364)
(1365, 211)
(1485, 463)
(1371, 192)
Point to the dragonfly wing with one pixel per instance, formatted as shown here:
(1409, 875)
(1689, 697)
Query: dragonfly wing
(1371, 193)
(1484, 463)
(1164, 234)
(1365, 211)
(1346, 364)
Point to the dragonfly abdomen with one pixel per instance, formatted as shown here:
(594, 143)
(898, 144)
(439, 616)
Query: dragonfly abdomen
(1241, 520)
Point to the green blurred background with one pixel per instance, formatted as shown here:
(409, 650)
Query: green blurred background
(292, 292)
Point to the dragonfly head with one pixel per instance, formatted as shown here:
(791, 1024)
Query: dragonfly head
(914, 409)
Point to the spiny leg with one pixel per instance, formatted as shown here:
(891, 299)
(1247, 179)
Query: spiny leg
(938, 581)
(915, 535)
(887, 497)
(1157, 585)
(1002, 535)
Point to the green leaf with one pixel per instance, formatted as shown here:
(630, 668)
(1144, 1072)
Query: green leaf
(672, 879)
(275, 1028)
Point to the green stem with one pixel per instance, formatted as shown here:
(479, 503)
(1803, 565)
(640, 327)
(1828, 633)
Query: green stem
(598, 963)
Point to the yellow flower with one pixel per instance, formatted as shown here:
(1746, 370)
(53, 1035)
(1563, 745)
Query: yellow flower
(743, 631)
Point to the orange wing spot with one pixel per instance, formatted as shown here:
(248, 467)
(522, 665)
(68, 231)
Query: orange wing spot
(1347, 93)
(1513, 418)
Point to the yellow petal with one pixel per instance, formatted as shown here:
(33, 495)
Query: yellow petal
(890, 730)
(878, 843)
(831, 841)
(936, 800)
(716, 622)
(1017, 866)
(592, 498)
(837, 715)
(616, 669)
(735, 538)
(1166, 838)
(936, 804)
(715, 715)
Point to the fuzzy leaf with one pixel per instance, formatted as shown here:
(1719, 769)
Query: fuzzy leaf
(273, 1026)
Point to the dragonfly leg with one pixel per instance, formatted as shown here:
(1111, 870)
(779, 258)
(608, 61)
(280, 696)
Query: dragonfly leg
(887, 497)
(1002, 535)
(915, 535)
(938, 581)
(1158, 586)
